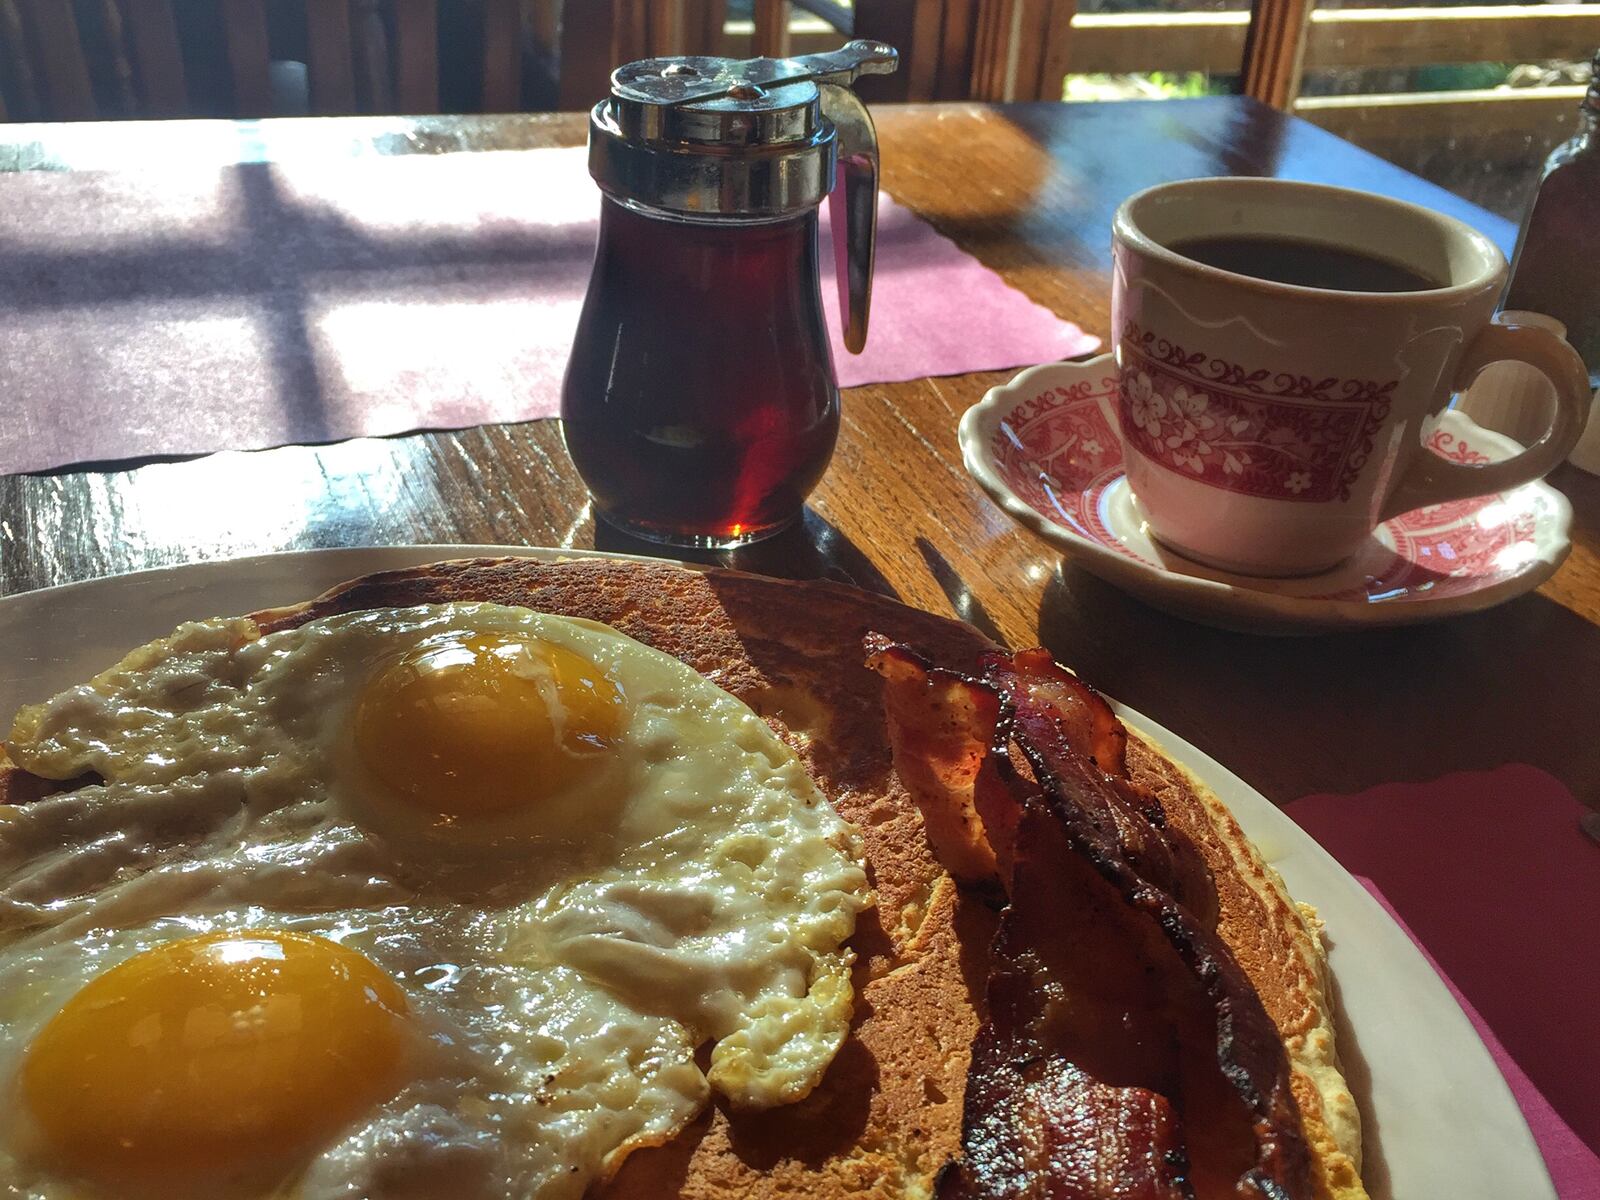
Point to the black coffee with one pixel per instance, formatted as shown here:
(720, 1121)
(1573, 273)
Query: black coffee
(1307, 264)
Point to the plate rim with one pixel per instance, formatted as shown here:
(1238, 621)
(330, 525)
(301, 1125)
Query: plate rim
(1172, 589)
(1261, 820)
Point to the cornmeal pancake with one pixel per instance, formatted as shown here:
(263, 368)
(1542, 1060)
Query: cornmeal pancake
(888, 1114)
(1278, 943)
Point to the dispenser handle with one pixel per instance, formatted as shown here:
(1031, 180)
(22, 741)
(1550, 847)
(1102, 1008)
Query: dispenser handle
(846, 64)
(853, 207)
(665, 82)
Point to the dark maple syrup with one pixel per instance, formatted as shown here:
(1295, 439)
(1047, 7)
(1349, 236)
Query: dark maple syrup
(712, 429)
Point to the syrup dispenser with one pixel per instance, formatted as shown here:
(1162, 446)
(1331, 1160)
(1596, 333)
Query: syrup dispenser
(700, 405)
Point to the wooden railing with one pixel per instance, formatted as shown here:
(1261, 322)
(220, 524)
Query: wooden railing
(988, 49)
(1501, 121)
(1364, 38)
(160, 58)
(1375, 38)
(1359, 37)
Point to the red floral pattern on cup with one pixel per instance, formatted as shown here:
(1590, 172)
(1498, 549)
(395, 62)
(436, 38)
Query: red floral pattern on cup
(1057, 445)
(1276, 436)
(1057, 452)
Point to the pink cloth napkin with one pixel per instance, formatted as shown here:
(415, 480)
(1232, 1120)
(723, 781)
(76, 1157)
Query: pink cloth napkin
(188, 310)
(1491, 874)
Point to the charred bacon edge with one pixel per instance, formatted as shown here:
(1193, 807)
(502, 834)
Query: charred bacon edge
(1250, 1054)
(1106, 744)
(1035, 1121)
(879, 645)
(1144, 1158)
(1162, 854)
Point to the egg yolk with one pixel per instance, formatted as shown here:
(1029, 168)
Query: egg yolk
(485, 724)
(223, 1052)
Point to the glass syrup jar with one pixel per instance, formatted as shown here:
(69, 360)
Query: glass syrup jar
(699, 404)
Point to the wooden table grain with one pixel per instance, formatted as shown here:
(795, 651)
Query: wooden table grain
(1029, 190)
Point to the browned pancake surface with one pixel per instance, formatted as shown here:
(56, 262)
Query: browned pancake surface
(888, 1113)
(1280, 953)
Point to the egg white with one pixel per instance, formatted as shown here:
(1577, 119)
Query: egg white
(563, 963)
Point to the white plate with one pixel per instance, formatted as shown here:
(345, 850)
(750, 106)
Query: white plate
(1440, 1120)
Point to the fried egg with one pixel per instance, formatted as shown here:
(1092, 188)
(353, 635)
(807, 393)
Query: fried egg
(456, 899)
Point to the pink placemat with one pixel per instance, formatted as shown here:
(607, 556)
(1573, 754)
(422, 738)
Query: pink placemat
(184, 311)
(1574, 1168)
(1493, 877)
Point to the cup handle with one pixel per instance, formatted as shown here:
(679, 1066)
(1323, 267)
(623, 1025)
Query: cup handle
(1432, 479)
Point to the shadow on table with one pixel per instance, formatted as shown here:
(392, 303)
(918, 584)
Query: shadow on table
(1342, 712)
(812, 548)
(258, 258)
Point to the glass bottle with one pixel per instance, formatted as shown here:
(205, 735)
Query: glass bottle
(716, 438)
(1556, 270)
(699, 405)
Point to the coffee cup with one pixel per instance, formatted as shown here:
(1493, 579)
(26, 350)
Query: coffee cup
(1282, 350)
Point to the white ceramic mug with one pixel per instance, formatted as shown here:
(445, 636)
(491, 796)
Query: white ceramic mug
(1269, 428)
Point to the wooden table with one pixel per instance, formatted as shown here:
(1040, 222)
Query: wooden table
(1029, 190)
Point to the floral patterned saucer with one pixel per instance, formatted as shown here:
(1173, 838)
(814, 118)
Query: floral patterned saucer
(1045, 447)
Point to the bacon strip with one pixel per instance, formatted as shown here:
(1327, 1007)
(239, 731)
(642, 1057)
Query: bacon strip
(1098, 1140)
(1070, 734)
(944, 727)
(1071, 1009)
(1125, 1055)
(1081, 716)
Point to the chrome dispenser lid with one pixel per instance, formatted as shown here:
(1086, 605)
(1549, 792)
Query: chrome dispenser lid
(721, 136)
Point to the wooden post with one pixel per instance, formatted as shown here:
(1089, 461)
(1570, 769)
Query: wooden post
(772, 28)
(14, 58)
(630, 36)
(662, 22)
(114, 37)
(584, 64)
(983, 37)
(911, 26)
(1010, 49)
(703, 23)
(502, 56)
(64, 74)
(544, 19)
(1274, 50)
(157, 59)
(919, 53)
(374, 78)
(954, 81)
(416, 55)
(1058, 37)
(244, 29)
(1041, 56)
(330, 57)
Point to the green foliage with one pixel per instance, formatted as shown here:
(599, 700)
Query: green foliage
(1184, 83)
(1461, 76)
(1146, 85)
